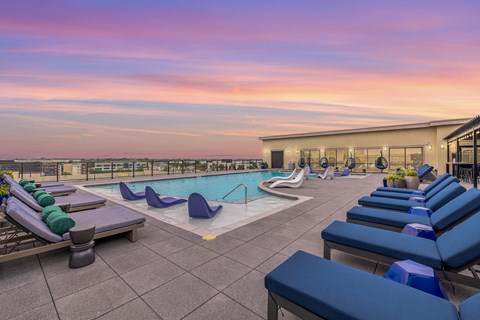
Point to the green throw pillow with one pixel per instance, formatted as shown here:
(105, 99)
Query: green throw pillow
(37, 194)
(29, 187)
(48, 210)
(46, 200)
(23, 182)
(59, 222)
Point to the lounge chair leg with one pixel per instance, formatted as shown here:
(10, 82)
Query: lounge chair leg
(132, 235)
(272, 313)
(326, 251)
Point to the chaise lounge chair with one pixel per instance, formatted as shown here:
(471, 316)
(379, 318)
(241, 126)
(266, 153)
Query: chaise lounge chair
(424, 170)
(405, 196)
(434, 203)
(294, 183)
(447, 216)
(55, 191)
(198, 207)
(154, 200)
(290, 177)
(426, 190)
(108, 221)
(314, 288)
(128, 194)
(327, 174)
(454, 251)
(72, 203)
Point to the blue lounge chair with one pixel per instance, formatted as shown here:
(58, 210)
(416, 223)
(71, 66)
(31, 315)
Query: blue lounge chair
(426, 190)
(405, 196)
(447, 216)
(454, 251)
(424, 170)
(314, 288)
(344, 173)
(434, 203)
(128, 194)
(154, 200)
(198, 207)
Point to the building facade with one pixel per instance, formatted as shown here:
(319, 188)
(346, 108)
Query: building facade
(408, 145)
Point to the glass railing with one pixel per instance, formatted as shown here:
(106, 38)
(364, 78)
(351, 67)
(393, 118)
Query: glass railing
(42, 171)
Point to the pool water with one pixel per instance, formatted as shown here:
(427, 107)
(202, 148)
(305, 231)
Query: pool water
(212, 187)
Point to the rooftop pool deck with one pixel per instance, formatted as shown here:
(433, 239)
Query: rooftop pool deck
(171, 273)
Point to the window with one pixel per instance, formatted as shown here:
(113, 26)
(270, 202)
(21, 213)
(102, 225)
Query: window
(406, 157)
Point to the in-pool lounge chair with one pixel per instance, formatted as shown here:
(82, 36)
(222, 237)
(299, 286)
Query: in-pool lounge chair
(71, 203)
(426, 190)
(290, 177)
(294, 183)
(154, 200)
(446, 217)
(314, 288)
(128, 194)
(198, 207)
(434, 203)
(405, 196)
(329, 173)
(344, 173)
(455, 250)
(108, 221)
(55, 191)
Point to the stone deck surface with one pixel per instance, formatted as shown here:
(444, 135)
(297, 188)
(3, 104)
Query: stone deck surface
(171, 274)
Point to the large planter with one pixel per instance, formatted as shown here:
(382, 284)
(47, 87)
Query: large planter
(399, 183)
(413, 182)
(390, 184)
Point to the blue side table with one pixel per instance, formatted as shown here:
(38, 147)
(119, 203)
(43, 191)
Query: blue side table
(415, 275)
(420, 230)
(420, 211)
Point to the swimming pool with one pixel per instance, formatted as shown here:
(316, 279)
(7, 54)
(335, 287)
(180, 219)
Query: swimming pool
(212, 187)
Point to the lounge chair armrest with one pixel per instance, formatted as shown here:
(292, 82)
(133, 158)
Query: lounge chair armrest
(420, 211)
(31, 181)
(38, 189)
(420, 230)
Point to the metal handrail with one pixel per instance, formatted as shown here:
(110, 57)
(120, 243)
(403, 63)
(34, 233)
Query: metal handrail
(238, 186)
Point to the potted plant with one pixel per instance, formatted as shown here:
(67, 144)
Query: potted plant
(411, 179)
(8, 173)
(390, 178)
(399, 181)
(4, 194)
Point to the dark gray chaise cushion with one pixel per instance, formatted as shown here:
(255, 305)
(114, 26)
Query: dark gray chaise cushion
(25, 197)
(79, 200)
(106, 218)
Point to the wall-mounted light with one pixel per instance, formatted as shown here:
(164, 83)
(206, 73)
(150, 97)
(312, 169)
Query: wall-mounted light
(288, 151)
(385, 148)
(442, 146)
(429, 147)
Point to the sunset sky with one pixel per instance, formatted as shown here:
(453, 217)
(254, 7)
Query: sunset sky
(205, 79)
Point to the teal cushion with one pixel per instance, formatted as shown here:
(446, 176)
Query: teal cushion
(48, 210)
(23, 182)
(37, 194)
(46, 200)
(29, 187)
(59, 222)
